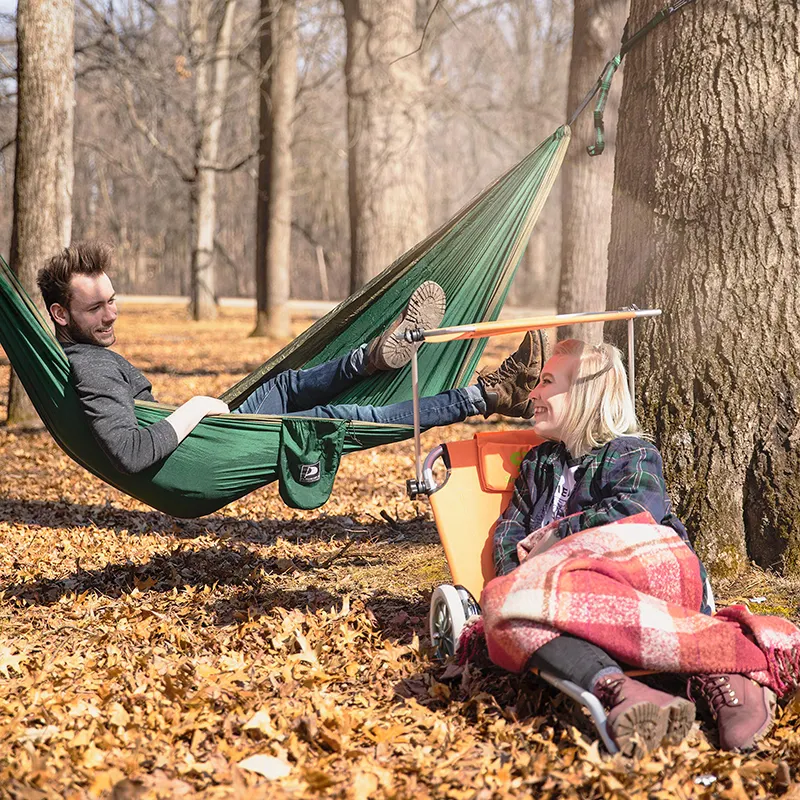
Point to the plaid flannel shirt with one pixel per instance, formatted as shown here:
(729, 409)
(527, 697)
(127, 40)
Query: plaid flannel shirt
(617, 480)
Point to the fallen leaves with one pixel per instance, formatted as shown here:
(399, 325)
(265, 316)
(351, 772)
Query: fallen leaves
(270, 767)
(270, 653)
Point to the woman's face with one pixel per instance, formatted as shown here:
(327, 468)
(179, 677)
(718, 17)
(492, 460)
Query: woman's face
(550, 395)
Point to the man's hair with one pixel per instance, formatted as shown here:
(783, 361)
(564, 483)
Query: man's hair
(599, 407)
(92, 257)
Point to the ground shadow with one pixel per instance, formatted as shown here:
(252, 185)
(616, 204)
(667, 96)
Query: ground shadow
(221, 566)
(395, 618)
(226, 566)
(44, 514)
(482, 693)
(199, 372)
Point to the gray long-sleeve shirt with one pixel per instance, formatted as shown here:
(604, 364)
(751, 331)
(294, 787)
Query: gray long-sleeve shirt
(107, 386)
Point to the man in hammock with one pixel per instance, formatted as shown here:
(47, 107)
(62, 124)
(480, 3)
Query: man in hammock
(81, 301)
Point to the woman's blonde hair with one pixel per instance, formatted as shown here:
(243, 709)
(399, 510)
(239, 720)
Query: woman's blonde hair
(598, 405)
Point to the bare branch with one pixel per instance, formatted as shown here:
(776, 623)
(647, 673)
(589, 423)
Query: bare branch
(321, 81)
(424, 31)
(237, 165)
(307, 235)
(7, 62)
(166, 20)
(226, 257)
(109, 157)
(155, 142)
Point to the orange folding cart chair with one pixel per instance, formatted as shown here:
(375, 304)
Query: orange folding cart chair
(476, 487)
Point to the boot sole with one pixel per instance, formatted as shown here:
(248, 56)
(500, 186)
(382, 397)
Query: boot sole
(681, 719)
(545, 348)
(645, 726)
(425, 311)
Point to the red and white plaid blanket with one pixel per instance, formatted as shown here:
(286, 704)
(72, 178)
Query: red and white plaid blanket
(632, 589)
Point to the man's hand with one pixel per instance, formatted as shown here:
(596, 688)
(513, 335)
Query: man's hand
(185, 418)
(207, 405)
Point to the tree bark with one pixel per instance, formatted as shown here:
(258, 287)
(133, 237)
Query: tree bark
(587, 182)
(386, 123)
(43, 170)
(706, 225)
(212, 66)
(274, 201)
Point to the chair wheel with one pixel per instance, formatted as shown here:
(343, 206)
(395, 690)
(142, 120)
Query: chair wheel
(447, 619)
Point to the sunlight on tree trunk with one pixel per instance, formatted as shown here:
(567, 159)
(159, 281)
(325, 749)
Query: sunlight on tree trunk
(705, 225)
(274, 202)
(44, 165)
(387, 124)
(587, 182)
(212, 56)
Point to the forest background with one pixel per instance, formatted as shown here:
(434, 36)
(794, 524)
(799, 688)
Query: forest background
(300, 147)
(492, 82)
(142, 652)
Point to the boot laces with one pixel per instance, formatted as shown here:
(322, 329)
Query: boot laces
(609, 691)
(506, 371)
(715, 690)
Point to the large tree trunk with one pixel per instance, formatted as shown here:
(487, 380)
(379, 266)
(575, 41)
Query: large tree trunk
(587, 182)
(44, 165)
(386, 123)
(212, 58)
(706, 225)
(274, 201)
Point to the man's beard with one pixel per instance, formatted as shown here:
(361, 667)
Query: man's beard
(79, 336)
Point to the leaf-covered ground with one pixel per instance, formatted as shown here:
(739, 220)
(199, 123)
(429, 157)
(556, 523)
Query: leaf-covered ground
(145, 656)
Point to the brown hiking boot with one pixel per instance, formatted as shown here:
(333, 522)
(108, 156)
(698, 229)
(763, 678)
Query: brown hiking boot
(424, 311)
(641, 718)
(507, 390)
(744, 710)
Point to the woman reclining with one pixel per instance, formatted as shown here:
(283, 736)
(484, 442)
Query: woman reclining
(577, 593)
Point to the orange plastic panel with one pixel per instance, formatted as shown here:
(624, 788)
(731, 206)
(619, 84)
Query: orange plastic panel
(466, 513)
(499, 460)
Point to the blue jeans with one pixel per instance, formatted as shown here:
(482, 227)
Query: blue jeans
(306, 393)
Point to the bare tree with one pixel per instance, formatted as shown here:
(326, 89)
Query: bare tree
(274, 204)
(187, 48)
(587, 182)
(386, 123)
(135, 171)
(705, 225)
(497, 88)
(211, 51)
(8, 125)
(43, 171)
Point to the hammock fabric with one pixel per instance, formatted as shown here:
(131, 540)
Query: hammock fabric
(473, 257)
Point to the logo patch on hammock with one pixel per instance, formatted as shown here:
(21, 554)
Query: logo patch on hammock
(308, 459)
(310, 473)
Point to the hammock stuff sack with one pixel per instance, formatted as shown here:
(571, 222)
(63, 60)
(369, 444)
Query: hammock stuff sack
(473, 257)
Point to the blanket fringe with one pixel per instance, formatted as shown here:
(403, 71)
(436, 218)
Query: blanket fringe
(471, 645)
(784, 667)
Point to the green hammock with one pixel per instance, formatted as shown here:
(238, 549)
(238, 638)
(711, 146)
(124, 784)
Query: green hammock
(473, 257)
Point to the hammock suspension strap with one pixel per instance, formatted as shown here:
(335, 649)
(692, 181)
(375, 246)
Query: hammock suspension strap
(603, 84)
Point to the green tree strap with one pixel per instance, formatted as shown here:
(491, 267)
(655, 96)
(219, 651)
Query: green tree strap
(603, 84)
